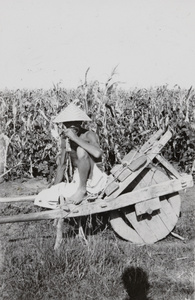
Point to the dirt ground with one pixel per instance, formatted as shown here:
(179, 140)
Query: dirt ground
(22, 187)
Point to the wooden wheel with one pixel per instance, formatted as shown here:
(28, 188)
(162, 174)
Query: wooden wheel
(147, 228)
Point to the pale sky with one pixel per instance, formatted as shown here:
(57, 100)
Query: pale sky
(44, 42)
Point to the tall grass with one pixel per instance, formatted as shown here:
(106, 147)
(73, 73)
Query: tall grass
(123, 120)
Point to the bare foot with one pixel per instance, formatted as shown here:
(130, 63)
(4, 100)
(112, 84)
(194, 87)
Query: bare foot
(77, 198)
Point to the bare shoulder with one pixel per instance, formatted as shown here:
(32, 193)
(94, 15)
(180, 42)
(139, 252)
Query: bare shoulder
(90, 136)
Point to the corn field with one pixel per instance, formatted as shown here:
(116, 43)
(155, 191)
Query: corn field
(122, 119)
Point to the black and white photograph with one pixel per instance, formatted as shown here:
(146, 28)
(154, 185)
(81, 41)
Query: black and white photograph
(97, 149)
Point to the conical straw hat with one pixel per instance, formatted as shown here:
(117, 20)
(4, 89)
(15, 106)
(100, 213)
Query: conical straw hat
(71, 113)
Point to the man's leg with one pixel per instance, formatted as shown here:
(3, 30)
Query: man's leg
(84, 164)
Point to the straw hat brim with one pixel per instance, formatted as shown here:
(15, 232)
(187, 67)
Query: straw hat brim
(70, 114)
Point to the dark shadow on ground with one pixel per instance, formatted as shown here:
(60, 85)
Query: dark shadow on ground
(136, 284)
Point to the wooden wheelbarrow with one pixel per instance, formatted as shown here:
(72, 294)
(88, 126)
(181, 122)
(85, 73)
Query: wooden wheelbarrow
(141, 196)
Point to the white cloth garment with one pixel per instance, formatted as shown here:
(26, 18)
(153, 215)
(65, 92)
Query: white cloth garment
(48, 198)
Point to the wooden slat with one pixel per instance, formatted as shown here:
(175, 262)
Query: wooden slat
(173, 198)
(142, 228)
(153, 191)
(153, 229)
(161, 224)
(144, 207)
(45, 215)
(132, 155)
(152, 140)
(17, 199)
(167, 215)
(150, 156)
(129, 157)
(175, 203)
(158, 227)
(168, 166)
(124, 230)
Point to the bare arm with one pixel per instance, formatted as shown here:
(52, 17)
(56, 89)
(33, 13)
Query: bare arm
(91, 144)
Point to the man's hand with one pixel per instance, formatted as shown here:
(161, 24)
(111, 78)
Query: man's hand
(67, 133)
(70, 134)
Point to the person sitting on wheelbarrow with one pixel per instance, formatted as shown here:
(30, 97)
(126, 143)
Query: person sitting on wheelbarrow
(84, 153)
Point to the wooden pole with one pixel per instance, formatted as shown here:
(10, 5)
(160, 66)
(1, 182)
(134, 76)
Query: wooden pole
(44, 215)
(59, 226)
(59, 235)
(17, 199)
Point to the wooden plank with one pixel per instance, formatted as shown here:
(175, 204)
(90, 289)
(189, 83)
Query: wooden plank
(152, 229)
(147, 206)
(124, 230)
(126, 172)
(137, 163)
(17, 199)
(134, 154)
(116, 169)
(59, 233)
(101, 205)
(153, 191)
(111, 187)
(150, 156)
(129, 231)
(152, 140)
(175, 203)
(45, 215)
(174, 198)
(168, 166)
(127, 159)
(168, 215)
(158, 227)
(142, 228)
(133, 166)
(167, 212)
